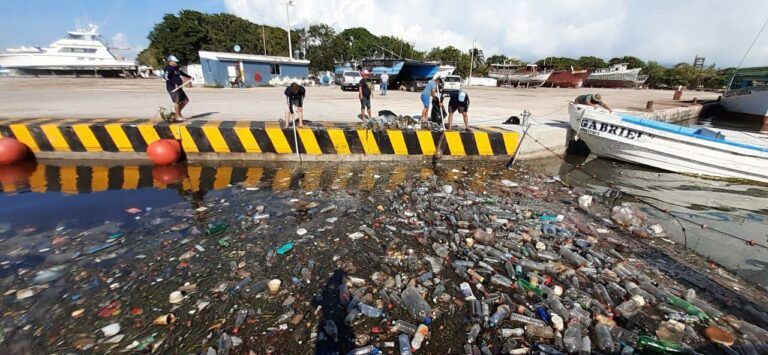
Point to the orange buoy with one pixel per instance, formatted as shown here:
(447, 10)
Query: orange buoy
(11, 150)
(163, 152)
(167, 175)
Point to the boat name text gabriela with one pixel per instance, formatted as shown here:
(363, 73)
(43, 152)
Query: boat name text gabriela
(596, 128)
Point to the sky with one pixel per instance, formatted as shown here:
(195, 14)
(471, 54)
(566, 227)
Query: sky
(666, 31)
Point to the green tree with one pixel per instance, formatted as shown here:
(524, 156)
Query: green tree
(320, 51)
(558, 63)
(681, 74)
(591, 62)
(188, 32)
(451, 55)
(656, 74)
(633, 62)
(496, 58)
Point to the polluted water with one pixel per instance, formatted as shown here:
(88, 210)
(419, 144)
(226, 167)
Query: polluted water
(456, 259)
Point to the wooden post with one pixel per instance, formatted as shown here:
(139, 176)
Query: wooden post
(649, 106)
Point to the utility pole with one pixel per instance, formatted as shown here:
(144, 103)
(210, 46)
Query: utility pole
(263, 35)
(288, 17)
(471, 63)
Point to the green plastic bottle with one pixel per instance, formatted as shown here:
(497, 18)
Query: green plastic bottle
(525, 285)
(652, 344)
(216, 228)
(687, 307)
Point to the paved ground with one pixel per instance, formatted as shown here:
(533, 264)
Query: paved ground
(141, 98)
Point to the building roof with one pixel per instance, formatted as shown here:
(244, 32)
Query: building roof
(251, 58)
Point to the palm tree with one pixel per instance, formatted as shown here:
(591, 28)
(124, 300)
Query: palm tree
(478, 55)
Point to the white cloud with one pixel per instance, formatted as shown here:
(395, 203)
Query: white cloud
(666, 31)
(120, 40)
(120, 46)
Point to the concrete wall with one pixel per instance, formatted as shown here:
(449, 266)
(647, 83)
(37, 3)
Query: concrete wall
(215, 72)
(673, 115)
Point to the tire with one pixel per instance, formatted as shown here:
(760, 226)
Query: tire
(401, 88)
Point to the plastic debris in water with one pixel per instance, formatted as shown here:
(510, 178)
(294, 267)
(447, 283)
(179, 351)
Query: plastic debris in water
(284, 248)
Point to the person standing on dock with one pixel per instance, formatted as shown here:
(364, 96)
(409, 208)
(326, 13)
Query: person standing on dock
(459, 101)
(431, 90)
(294, 94)
(384, 83)
(591, 100)
(364, 94)
(174, 84)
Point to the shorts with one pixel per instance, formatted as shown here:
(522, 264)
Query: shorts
(462, 108)
(178, 96)
(425, 100)
(365, 103)
(299, 102)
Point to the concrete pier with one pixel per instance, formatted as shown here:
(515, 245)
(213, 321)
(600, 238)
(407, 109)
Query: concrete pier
(82, 101)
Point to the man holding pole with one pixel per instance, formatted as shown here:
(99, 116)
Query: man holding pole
(174, 84)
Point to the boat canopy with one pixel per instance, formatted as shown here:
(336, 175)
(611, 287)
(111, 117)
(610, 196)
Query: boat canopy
(749, 77)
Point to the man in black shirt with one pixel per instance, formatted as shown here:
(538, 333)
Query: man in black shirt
(294, 94)
(174, 84)
(459, 102)
(364, 94)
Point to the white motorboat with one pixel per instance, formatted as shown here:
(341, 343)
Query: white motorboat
(746, 98)
(82, 52)
(690, 150)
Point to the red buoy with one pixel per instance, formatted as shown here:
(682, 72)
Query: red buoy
(167, 175)
(176, 144)
(11, 150)
(163, 152)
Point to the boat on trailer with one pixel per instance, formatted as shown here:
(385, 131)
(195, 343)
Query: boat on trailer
(690, 150)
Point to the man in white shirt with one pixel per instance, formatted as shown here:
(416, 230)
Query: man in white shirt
(384, 83)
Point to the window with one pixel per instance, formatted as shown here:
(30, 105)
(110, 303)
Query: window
(208, 65)
(77, 50)
(275, 70)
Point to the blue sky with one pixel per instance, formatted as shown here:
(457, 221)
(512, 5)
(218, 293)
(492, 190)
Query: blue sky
(666, 31)
(40, 22)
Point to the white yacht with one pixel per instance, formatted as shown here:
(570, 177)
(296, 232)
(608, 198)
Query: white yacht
(82, 52)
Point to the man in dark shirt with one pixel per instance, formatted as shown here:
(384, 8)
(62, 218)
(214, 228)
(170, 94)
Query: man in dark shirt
(294, 94)
(364, 94)
(174, 84)
(459, 102)
(593, 100)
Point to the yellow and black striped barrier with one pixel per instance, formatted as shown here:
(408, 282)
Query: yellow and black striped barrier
(250, 140)
(83, 179)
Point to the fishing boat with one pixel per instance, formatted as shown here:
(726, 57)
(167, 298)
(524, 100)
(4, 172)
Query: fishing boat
(616, 76)
(567, 78)
(82, 52)
(518, 75)
(691, 150)
(746, 98)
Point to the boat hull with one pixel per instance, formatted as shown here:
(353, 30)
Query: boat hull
(749, 105)
(609, 83)
(609, 136)
(566, 79)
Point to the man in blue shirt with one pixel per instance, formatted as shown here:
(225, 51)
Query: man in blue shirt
(432, 89)
(174, 84)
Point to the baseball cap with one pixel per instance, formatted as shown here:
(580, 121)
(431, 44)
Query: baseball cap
(172, 58)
